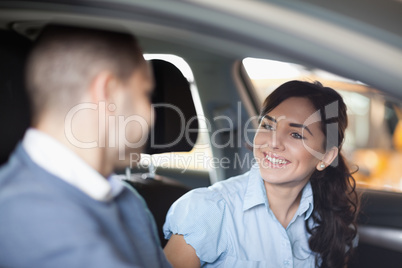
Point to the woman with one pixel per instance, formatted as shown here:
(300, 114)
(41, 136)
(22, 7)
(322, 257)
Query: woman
(296, 207)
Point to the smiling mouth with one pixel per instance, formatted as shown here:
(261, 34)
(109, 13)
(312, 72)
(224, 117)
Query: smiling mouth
(275, 161)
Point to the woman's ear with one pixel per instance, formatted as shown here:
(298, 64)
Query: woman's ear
(329, 157)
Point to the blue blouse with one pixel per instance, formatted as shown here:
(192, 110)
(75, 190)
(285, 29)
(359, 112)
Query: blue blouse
(231, 225)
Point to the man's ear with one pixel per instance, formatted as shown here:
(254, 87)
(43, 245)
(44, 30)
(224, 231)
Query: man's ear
(329, 157)
(102, 86)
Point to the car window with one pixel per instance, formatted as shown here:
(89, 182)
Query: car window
(373, 142)
(183, 163)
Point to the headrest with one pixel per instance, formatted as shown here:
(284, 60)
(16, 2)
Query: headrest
(176, 123)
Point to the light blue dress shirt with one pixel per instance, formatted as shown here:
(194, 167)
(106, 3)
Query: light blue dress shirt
(231, 225)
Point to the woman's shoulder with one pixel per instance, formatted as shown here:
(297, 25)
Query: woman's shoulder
(227, 189)
(221, 198)
(196, 215)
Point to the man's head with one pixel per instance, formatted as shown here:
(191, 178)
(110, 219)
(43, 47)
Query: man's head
(66, 59)
(91, 81)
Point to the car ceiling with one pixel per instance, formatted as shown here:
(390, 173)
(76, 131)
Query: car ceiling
(307, 32)
(365, 11)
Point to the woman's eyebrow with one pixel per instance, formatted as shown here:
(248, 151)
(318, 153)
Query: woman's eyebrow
(270, 118)
(301, 126)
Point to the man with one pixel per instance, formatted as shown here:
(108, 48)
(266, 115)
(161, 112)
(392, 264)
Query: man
(59, 207)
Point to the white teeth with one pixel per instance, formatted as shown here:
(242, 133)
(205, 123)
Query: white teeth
(275, 160)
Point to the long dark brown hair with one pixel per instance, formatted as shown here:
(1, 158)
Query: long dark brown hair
(335, 200)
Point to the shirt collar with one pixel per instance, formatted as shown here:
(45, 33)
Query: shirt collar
(58, 160)
(306, 201)
(255, 194)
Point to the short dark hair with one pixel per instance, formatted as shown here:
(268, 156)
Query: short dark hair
(65, 59)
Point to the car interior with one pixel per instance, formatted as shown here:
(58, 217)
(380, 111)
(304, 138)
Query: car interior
(219, 87)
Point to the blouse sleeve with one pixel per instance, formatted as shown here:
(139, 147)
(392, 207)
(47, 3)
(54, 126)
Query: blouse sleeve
(199, 217)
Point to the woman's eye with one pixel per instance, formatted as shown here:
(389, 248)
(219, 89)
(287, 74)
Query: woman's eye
(297, 136)
(267, 126)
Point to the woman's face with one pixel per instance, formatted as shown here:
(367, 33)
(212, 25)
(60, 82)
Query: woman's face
(283, 142)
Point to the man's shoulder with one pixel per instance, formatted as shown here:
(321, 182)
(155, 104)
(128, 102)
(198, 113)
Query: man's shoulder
(16, 176)
(27, 190)
(24, 192)
(21, 177)
(35, 215)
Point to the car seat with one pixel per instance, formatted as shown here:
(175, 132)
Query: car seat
(14, 104)
(171, 90)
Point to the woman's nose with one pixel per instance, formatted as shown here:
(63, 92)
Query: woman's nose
(275, 141)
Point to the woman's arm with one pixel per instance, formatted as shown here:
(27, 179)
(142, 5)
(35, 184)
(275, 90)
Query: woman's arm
(180, 254)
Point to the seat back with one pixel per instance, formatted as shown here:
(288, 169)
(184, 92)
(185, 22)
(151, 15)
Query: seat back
(14, 104)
